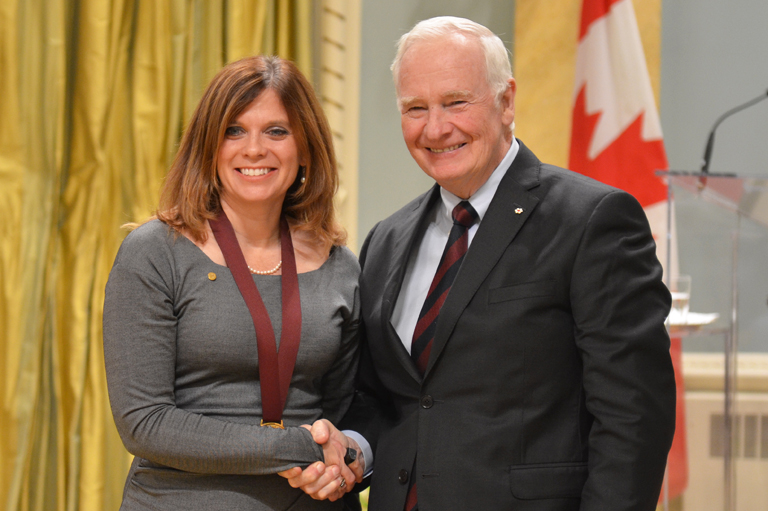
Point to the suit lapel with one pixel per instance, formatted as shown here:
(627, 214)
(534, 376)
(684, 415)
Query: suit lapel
(413, 227)
(510, 208)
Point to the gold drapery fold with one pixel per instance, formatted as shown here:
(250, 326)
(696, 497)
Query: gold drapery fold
(94, 95)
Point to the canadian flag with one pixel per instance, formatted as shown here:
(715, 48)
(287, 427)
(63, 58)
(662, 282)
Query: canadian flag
(616, 138)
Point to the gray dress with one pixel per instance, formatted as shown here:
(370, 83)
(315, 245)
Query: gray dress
(183, 379)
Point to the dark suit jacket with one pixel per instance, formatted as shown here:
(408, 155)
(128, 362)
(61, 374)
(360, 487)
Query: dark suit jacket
(550, 385)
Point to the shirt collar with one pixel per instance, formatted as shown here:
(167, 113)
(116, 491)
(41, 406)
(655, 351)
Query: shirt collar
(481, 199)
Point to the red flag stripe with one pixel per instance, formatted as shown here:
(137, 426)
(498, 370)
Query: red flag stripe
(591, 11)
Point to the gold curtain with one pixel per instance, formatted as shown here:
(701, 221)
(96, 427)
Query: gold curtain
(94, 95)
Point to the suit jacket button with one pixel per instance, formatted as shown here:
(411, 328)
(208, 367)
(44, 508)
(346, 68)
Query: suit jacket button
(403, 476)
(427, 401)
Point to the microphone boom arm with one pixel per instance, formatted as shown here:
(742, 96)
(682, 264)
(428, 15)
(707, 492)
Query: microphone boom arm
(711, 138)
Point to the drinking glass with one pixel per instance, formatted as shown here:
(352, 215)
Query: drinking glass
(680, 287)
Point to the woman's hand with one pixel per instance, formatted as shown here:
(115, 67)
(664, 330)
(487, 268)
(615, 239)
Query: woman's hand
(332, 479)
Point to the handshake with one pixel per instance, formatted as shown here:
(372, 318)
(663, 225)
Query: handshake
(343, 467)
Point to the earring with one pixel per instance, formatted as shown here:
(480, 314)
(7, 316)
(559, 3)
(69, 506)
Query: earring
(303, 176)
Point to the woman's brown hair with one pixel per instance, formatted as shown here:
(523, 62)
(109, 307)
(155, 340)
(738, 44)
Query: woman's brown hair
(191, 193)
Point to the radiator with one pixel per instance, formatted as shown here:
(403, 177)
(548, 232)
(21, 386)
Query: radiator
(705, 429)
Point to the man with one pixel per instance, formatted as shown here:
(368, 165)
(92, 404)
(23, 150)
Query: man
(537, 375)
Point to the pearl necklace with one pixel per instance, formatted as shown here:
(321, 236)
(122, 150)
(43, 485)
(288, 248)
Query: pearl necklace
(266, 272)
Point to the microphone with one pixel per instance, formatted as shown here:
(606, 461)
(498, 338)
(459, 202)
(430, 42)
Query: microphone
(711, 139)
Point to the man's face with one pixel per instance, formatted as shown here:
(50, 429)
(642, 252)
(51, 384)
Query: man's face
(451, 122)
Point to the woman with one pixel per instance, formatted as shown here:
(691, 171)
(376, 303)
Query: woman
(198, 394)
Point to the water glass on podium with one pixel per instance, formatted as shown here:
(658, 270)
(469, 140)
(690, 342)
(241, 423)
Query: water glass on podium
(680, 287)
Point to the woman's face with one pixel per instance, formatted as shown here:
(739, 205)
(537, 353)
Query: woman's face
(258, 159)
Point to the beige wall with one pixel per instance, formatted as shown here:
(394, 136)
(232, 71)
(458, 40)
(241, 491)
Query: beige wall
(546, 33)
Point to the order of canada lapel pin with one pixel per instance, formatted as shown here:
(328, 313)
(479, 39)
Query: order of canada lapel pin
(518, 211)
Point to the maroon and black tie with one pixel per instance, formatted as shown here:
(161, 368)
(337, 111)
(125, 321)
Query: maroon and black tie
(464, 216)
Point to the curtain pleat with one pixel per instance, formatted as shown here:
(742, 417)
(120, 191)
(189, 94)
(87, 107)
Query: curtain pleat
(94, 96)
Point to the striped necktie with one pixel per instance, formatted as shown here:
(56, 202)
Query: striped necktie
(464, 215)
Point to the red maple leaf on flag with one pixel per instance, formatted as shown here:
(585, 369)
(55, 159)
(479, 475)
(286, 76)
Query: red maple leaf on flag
(629, 162)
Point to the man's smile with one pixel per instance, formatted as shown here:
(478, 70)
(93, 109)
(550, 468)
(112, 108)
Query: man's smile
(445, 150)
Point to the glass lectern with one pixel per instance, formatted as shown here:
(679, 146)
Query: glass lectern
(718, 227)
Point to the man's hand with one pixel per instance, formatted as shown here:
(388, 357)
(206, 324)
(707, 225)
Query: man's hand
(329, 480)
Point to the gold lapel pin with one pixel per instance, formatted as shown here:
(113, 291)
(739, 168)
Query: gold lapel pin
(518, 211)
(211, 276)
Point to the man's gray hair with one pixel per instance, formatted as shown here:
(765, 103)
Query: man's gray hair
(497, 67)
